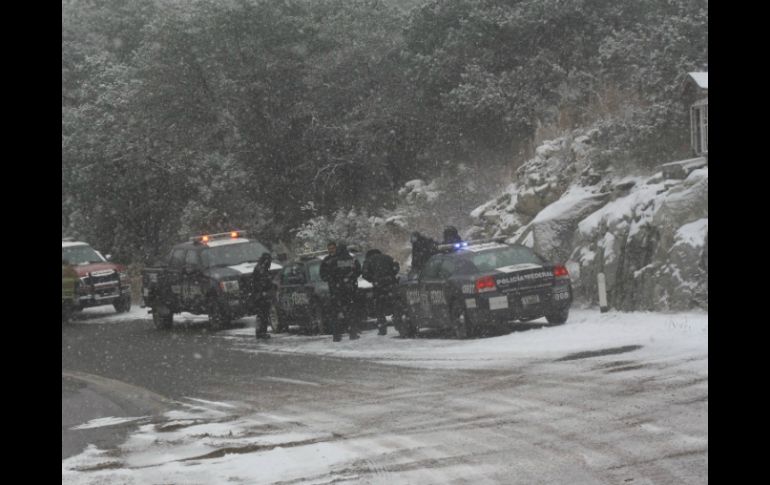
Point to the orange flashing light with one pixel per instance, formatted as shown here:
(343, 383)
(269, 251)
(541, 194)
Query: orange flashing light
(234, 234)
(204, 239)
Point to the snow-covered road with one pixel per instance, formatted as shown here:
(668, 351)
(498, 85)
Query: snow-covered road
(605, 398)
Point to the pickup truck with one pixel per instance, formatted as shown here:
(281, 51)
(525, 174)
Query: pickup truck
(210, 274)
(100, 281)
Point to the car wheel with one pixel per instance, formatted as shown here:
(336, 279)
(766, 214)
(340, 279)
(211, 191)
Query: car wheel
(66, 312)
(460, 322)
(218, 316)
(318, 325)
(123, 304)
(559, 317)
(278, 321)
(162, 318)
(405, 327)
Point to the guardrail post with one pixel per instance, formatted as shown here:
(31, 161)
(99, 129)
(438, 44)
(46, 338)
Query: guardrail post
(603, 307)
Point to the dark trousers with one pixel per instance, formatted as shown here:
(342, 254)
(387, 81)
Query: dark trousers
(344, 318)
(386, 302)
(263, 316)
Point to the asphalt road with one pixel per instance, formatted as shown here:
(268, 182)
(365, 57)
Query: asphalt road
(563, 421)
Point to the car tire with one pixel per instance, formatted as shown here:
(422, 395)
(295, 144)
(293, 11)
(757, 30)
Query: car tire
(162, 318)
(406, 329)
(278, 321)
(123, 304)
(558, 317)
(318, 325)
(460, 323)
(218, 316)
(66, 313)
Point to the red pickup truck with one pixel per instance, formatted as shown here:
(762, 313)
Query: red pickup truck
(101, 282)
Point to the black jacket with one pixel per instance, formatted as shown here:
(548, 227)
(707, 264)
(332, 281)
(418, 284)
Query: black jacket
(422, 249)
(341, 271)
(262, 280)
(380, 269)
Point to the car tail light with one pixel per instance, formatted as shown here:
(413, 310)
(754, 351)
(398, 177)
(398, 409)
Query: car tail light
(485, 283)
(560, 271)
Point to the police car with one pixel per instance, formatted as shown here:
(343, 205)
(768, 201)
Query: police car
(210, 274)
(303, 298)
(471, 285)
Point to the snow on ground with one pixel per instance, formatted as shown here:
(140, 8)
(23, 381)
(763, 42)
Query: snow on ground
(110, 421)
(658, 334)
(589, 402)
(210, 449)
(107, 314)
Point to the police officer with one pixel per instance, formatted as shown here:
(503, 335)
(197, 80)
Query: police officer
(423, 248)
(451, 235)
(341, 270)
(263, 293)
(381, 271)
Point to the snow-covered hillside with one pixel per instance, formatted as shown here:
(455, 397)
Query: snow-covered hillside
(647, 233)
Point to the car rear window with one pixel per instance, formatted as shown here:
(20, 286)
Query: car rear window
(498, 258)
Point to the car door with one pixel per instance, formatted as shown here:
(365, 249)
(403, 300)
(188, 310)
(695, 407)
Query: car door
(411, 295)
(293, 295)
(431, 289)
(173, 278)
(440, 290)
(192, 280)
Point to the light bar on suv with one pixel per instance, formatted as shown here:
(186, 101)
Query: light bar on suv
(222, 235)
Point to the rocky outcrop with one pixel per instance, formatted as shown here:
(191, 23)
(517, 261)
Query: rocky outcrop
(647, 234)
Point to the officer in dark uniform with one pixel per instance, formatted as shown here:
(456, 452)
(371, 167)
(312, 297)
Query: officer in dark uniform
(451, 235)
(341, 271)
(382, 271)
(263, 293)
(423, 248)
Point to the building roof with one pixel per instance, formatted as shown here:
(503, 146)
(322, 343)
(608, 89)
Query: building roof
(701, 79)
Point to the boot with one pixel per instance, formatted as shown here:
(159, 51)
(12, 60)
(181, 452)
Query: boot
(354, 336)
(337, 338)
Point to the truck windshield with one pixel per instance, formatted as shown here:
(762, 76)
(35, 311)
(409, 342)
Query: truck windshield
(497, 258)
(79, 255)
(232, 254)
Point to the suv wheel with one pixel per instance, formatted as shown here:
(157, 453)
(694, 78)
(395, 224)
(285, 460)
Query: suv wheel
(123, 304)
(162, 318)
(405, 327)
(317, 323)
(218, 316)
(558, 317)
(66, 313)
